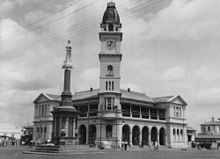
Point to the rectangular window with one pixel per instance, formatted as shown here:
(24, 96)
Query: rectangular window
(161, 114)
(109, 103)
(106, 85)
(145, 112)
(109, 85)
(177, 112)
(153, 113)
(93, 110)
(113, 85)
(135, 111)
(83, 110)
(42, 110)
(125, 110)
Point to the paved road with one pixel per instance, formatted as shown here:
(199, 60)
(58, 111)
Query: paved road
(16, 153)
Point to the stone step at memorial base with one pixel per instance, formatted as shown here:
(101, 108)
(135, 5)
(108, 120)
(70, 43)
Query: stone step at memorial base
(63, 148)
(145, 148)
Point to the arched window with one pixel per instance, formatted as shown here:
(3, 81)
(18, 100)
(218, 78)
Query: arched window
(181, 134)
(174, 134)
(110, 27)
(109, 70)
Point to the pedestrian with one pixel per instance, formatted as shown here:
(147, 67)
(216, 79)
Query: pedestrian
(156, 145)
(125, 145)
(122, 145)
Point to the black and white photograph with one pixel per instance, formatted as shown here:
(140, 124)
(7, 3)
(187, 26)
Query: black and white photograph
(104, 79)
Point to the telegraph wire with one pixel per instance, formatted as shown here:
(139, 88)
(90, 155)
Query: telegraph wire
(77, 32)
(83, 30)
(56, 19)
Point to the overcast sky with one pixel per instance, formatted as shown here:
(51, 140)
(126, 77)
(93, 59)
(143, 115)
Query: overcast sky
(169, 48)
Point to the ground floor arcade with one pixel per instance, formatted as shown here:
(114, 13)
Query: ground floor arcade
(134, 134)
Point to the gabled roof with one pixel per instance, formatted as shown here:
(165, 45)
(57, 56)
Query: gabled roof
(124, 94)
(85, 94)
(54, 97)
(169, 99)
(48, 97)
(135, 95)
(162, 99)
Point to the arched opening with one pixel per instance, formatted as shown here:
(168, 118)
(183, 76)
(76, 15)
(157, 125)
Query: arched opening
(145, 134)
(135, 135)
(126, 133)
(174, 134)
(153, 134)
(110, 27)
(162, 136)
(82, 134)
(108, 131)
(178, 134)
(181, 134)
(109, 70)
(92, 134)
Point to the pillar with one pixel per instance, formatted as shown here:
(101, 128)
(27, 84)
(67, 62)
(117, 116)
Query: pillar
(140, 138)
(87, 134)
(74, 128)
(130, 140)
(67, 127)
(149, 137)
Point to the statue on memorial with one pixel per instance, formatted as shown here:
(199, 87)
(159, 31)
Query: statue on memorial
(68, 61)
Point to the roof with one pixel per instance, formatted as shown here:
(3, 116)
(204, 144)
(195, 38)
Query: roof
(211, 123)
(162, 99)
(170, 99)
(190, 128)
(88, 94)
(111, 14)
(54, 97)
(136, 96)
(85, 94)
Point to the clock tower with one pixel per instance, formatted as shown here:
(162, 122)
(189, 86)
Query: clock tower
(110, 58)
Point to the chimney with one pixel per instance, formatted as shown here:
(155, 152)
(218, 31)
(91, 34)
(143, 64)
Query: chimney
(213, 119)
(129, 90)
(91, 89)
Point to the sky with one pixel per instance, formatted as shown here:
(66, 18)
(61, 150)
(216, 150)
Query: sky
(169, 47)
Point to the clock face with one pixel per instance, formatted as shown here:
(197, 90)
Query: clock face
(110, 44)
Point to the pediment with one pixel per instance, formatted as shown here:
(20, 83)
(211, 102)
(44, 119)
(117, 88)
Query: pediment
(41, 98)
(178, 100)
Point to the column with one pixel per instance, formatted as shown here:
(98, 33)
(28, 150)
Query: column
(54, 127)
(130, 142)
(140, 138)
(158, 137)
(87, 134)
(74, 128)
(149, 137)
(67, 127)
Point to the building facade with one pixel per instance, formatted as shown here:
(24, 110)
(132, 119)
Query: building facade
(111, 113)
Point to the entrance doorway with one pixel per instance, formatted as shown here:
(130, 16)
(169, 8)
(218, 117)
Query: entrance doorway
(153, 134)
(145, 134)
(92, 134)
(135, 135)
(162, 136)
(108, 131)
(82, 134)
(126, 133)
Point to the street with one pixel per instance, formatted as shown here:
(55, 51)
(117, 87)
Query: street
(17, 153)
